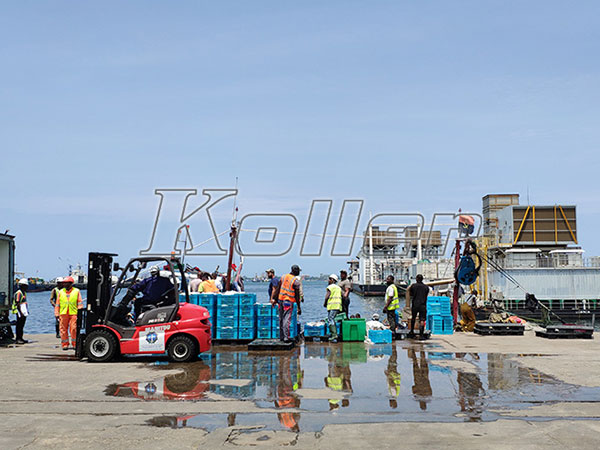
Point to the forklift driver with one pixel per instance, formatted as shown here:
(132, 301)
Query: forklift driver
(156, 291)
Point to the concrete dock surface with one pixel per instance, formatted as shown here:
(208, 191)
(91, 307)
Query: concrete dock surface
(459, 391)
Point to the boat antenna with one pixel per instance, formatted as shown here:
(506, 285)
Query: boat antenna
(235, 208)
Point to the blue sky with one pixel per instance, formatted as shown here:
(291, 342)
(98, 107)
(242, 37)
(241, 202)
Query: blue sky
(411, 106)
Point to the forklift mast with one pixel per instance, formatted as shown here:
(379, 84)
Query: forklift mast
(98, 295)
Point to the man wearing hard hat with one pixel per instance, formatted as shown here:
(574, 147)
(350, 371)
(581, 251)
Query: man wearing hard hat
(69, 301)
(19, 307)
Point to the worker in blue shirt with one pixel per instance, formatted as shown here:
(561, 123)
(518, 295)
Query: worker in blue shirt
(156, 291)
(273, 281)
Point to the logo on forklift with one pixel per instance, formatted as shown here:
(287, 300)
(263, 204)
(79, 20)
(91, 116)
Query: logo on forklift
(153, 339)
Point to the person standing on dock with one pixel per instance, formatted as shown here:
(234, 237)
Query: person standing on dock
(19, 308)
(333, 303)
(69, 301)
(286, 295)
(53, 299)
(346, 287)
(273, 281)
(392, 303)
(418, 299)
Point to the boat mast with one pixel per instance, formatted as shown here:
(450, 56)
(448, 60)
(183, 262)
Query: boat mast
(370, 250)
(232, 238)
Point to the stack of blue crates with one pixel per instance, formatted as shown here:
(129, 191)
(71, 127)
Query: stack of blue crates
(264, 320)
(267, 322)
(247, 316)
(439, 315)
(227, 316)
(235, 316)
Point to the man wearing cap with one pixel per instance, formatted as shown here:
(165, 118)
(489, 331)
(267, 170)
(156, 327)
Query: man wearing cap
(273, 281)
(286, 294)
(19, 307)
(69, 301)
(53, 299)
(333, 303)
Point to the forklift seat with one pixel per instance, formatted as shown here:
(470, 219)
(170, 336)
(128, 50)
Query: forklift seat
(153, 316)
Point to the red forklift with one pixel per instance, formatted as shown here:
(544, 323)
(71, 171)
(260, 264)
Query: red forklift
(106, 328)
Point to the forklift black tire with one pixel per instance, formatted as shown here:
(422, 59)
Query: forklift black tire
(182, 349)
(100, 346)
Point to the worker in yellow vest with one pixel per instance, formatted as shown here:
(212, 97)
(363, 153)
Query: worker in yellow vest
(333, 303)
(69, 301)
(20, 309)
(285, 295)
(207, 286)
(392, 303)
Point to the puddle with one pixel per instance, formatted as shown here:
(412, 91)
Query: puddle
(350, 382)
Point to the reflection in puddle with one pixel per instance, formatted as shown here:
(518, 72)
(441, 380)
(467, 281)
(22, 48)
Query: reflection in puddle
(321, 383)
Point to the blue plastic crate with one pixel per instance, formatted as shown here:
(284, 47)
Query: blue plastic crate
(205, 299)
(434, 309)
(263, 322)
(264, 310)
(275, 333)
(247, 299)
(264, 333)
(227, 310)
(438, 299)
(226, 333)
(315, 330)
(246, 333)
(435, 324)
(182, 298)
(223, 322)
(228, 299)
(246, 322)
(380, 336)
(447, 324)
(247, 310)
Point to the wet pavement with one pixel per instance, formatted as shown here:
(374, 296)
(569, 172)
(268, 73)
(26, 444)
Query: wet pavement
(320, 383)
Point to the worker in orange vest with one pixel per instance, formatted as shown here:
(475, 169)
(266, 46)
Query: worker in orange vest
(207, 286)
(286, 294)
(69, 301)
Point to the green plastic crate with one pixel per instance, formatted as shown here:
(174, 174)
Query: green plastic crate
(354, 330)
